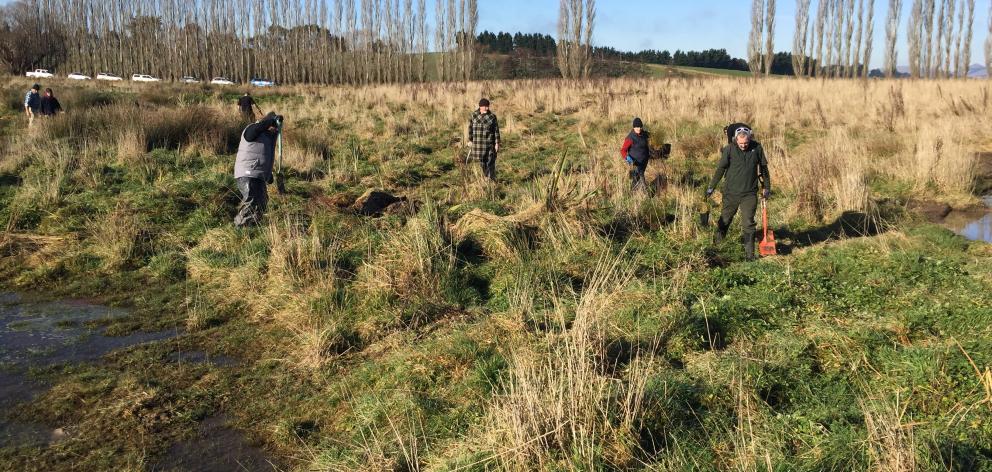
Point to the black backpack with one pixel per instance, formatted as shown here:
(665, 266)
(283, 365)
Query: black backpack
(732, 128)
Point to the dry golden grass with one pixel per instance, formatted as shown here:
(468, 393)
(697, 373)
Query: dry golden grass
(824, 138)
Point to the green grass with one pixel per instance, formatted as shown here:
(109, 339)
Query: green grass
(660, 71)
(392, 343)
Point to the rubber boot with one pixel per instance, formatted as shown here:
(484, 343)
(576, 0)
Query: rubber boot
(749, 249)
(718, 236)
(704, 219)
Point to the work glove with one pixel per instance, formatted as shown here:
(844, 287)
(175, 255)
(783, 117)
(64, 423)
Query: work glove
(709, 192)
(630, 160)
(766, 193)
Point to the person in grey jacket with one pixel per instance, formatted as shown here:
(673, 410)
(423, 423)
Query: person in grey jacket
(253, 167)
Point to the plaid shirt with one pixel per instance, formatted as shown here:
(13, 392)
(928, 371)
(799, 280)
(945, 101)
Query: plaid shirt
(483, 133)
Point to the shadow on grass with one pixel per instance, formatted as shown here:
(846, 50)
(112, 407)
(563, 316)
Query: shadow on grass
(850, 224)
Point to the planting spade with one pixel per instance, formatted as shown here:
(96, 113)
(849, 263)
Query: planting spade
(767, 245)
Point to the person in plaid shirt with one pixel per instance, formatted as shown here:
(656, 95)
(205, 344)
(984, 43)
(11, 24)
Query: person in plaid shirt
(483, 138)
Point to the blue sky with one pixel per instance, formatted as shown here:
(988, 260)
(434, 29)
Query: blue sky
(700, 24)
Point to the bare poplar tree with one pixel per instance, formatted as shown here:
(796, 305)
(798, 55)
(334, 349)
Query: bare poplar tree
(853, 62)
(869, 38)
(964, 52)
(892, 37)
(576, 19)
(754, 40)
(928, 49)
(941, 20)
(822, 13)
(988, 46)
(769, 37)
(950, 36)
(801, 37)
(914, 38)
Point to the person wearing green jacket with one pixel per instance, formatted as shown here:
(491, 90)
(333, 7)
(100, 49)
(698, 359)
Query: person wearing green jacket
(744, 165)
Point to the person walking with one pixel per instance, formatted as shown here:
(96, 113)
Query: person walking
(32, 103)
(636, 152)
(253, 167)
(50, 105)
(483, 138)
(744, 165)
(248, 106)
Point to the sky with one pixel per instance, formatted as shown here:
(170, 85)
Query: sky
(693, 25)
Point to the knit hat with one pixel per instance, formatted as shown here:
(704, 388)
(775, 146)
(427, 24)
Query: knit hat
(484, 102)
(638, 123)
(36, 87)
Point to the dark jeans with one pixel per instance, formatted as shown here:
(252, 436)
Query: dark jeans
(637, 175)
(254, 198)
(248, 115)
(488, 163)
(748, 205)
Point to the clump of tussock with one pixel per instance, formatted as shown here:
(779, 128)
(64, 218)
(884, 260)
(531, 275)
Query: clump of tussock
(941, 158)
(559, 409)
(45, 182)
(418, 263)
(828, 177)
(300, 257)
(116, 236)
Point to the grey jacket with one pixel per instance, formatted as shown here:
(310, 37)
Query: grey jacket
(256, 152)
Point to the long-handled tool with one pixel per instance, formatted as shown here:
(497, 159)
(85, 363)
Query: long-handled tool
(767, 246)
(280, 178)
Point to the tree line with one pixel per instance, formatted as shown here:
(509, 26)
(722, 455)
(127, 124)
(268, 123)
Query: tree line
(837, 40)
(289, 41)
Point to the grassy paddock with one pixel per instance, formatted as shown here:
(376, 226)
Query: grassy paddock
(550, 321)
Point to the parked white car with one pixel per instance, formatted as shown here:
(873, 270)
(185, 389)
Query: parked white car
(78, 76)
(107, 76)
(257, 82)
(188, 79)
(40, 74)
(221, 81)
(144, 78)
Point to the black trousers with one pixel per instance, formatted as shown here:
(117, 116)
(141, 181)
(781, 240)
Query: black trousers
(637, 175)
(748, 205)
(488, 162)
(254, 198)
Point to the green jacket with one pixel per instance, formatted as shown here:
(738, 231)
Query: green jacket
(742, 169)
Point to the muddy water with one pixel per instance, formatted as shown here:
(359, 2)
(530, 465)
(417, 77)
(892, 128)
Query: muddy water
(37, 334)
(975, 225)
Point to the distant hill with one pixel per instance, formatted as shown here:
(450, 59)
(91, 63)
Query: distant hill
(975, 71)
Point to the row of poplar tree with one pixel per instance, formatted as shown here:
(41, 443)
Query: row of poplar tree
(289, 41)
(837, 41)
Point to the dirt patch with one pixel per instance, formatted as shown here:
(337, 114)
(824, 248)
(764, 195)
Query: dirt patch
(375, 202)
(217, 446)
(983, 173)
(934, 212)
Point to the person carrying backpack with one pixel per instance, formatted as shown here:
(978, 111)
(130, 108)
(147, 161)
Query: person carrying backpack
(636, 152)
(744, 164)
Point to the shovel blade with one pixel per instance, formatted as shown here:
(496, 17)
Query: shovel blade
(767, 246)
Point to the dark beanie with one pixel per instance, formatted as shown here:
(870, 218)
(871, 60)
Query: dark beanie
(638, 123)
(36, 87)
(484, 102)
